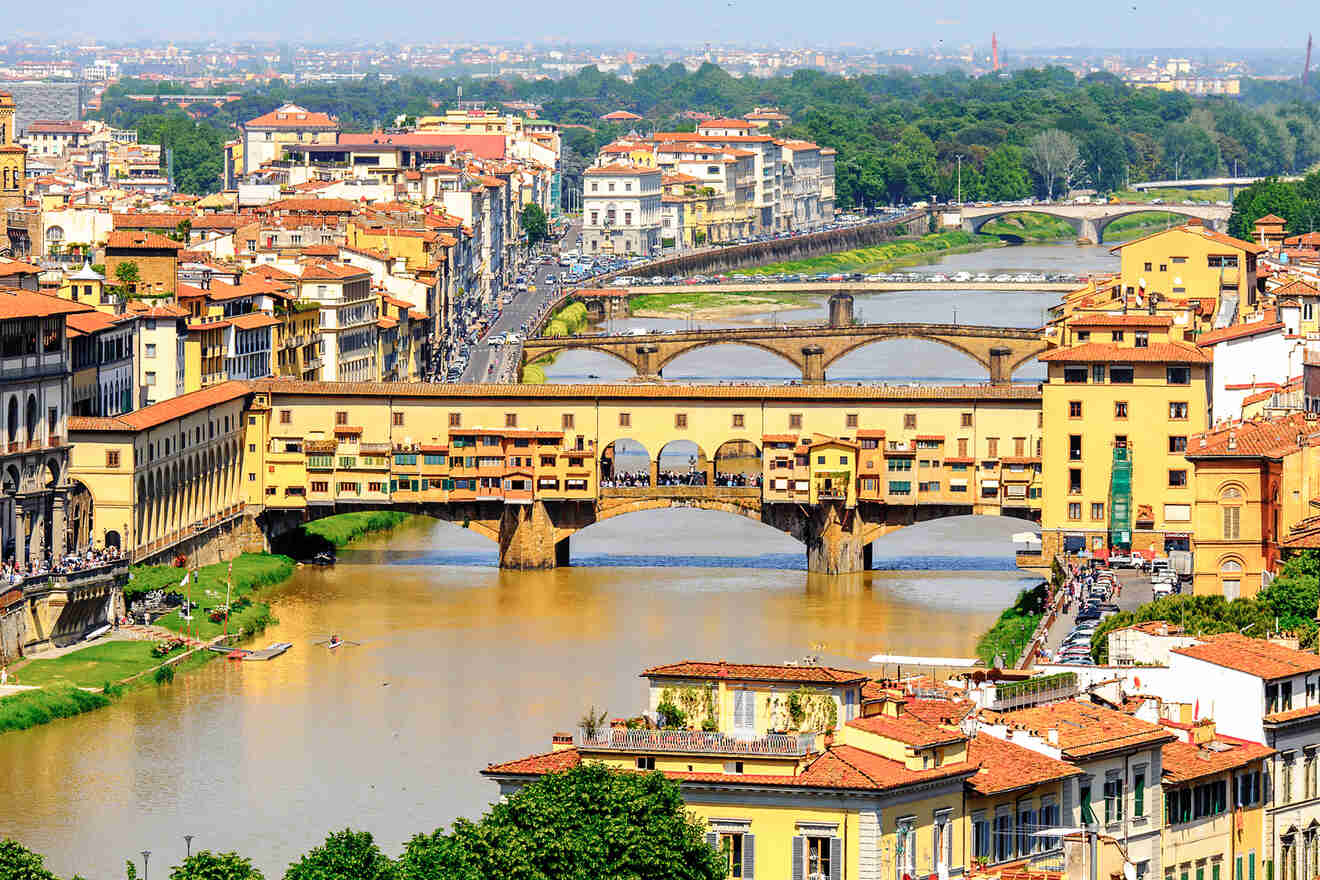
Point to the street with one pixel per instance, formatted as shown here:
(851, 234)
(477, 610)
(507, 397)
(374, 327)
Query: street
(499, 363)
(1135, 590)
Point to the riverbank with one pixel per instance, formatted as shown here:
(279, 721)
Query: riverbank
(879, 256)
(713, 306)
(1010, 634)
(570, 320)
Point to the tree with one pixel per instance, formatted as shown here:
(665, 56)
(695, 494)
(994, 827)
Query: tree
(534, 223)
(345, 855)
(1269, 196)
(182, 231)
(206, 865)
(17, 862)
(1189, 151)
(128, 276)
(1005, 175)
(588, 821)
(1054, 157)
(593, 721)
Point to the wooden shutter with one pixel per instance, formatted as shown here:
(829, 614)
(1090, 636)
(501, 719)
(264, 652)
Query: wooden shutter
(799, 857)
(836, 858)
(749, 856)
(713, 840)
(744, 710)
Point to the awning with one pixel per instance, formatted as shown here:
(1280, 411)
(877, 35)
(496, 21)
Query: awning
(962, 483)
(989, 484)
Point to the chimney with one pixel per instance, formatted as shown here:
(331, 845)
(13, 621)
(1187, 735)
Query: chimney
(561, 741)
(1203, 732)
(1052, 736)
(1232, 441)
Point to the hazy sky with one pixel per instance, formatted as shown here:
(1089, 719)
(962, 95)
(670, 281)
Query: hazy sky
(882, 24)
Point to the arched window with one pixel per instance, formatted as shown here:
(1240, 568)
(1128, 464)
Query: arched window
(1230, 577)
(1230, 506)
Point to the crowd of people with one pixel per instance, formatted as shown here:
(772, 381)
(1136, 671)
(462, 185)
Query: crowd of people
(693, 477)
(13, 573)
(627, 480)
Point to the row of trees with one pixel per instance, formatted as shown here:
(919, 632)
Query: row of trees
(1287, 604)
(1297, 202)
(585, 822)
(898, 136)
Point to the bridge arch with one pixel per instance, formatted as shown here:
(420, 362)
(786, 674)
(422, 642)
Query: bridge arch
(737, 462)
(1125, 211)
(975, 224)
(850, 347)
(687, 462)
(587, 346)
(782, 353)
(616, 507)
(622, 460)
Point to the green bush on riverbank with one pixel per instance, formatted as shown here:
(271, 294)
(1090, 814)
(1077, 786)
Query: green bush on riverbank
(873, 257)
(30, 708)
(1013, 630)
(333, 532)
(252, 571)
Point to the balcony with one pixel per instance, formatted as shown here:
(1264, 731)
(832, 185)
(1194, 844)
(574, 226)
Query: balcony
(1033, 691)
(698, 742)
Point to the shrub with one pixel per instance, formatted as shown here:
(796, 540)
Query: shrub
(165, 674)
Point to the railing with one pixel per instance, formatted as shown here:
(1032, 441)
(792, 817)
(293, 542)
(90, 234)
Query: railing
(174, 537)
(1034, 691)
(787, 745)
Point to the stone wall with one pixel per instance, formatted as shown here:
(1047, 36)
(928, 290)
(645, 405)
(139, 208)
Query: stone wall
(13, 629)
(222, 541)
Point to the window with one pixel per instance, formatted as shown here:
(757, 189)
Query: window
(910, 421)
(1074, 409)
(566, 421)
(510, 420)
(1148, 267)
(1074, 510)
(795, 421)
(397, 419)
(151, 349)
(1139, 793)
(1117, 335)
(1074, 375)
(1097, 510)
(455, 419)
(1074, 481)
(1177, 513)
(150, 379)
(1075, 447)
(1177, 479)
(341, 418)
(1177, 443)
(818, 856)
(1178, 409)
(732, 846)
(680, 420)
(1121, 375)
(646, 763)
(1098, 373)
(981, 837)
(1113, 799)
(1179, 375)
(962, 447)
(112, 458)
(1141, 339)
(966, 420)
(286, 416)
(992, 447)
(738, 420)
(1003, 835)
(850, 420)
(1120, 409)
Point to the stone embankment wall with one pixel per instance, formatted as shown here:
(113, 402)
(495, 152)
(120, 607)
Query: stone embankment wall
(761, 253)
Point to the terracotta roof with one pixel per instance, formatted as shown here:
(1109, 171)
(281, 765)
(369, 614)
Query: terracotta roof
(322, 271)
(1296, 288)
(1271, 219)
(1205, 232)
(1087, 730)
(1115, 319)
(89, 322)
(156, 309)
(756, 672)
(1253, 656)
(908, 729)
(1183, 762)
(1155, 628)
(620, 168)
(165, 411)
(649, 392)
(304, 205)
(934, 711)
(1292, 715)
(17, 267)
(1240, 331)
(1155, 353)
(620, 115)
(151, 220)
(537, 765)
(254, 320)
(1004, 766)
(292, 116)
(138, 240)
(1270, 438)
(266, 270)
(15, 303)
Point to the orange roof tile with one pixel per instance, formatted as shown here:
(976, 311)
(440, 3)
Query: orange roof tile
(1087, 730)
(17, 303)
(1241, 331)
(907, 729)
(1115, 319)
(165, 411)
(1183, 762)
(1253, 656)
(1004, 766)
(1271, 438)
(138, 240)
(290, 116)
(1155, 353)
(254, 320)
(755, 672)
(322, 271)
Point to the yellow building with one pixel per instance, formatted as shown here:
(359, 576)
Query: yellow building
(1192, 262)
(1215, 790)
(1118, 407)
(880, 796)
(1254, 489)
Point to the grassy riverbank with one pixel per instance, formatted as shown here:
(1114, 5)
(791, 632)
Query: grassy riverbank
(712, 305)
(31, 708)
(333, 532)
(878, 256)
(570, 320)
(1012, 631)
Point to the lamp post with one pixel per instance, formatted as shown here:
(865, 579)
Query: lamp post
(146, 856)
(959, 194)
(187, 841)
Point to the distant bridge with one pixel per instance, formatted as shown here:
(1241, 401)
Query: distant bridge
(1090, 221)
(1232, 183)
(810, 348)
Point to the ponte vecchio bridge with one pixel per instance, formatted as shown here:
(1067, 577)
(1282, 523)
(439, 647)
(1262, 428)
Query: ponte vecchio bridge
(529, 466)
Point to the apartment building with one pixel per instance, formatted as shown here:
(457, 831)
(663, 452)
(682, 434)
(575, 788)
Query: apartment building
(264, 138)
(621, 210)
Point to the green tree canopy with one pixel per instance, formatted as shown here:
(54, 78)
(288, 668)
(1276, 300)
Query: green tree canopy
(1006, 175)
(19, 863)
(345, 855)
(206, 865)
(583, 823)
(535, 224)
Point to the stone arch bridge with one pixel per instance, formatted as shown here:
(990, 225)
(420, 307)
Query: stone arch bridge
(812, 349)
(1090, 221)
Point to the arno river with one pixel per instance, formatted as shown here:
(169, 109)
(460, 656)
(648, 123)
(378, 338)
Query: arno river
(461, 665)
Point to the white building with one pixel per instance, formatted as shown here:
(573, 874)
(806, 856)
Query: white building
(1249, 356)
(621, 210)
